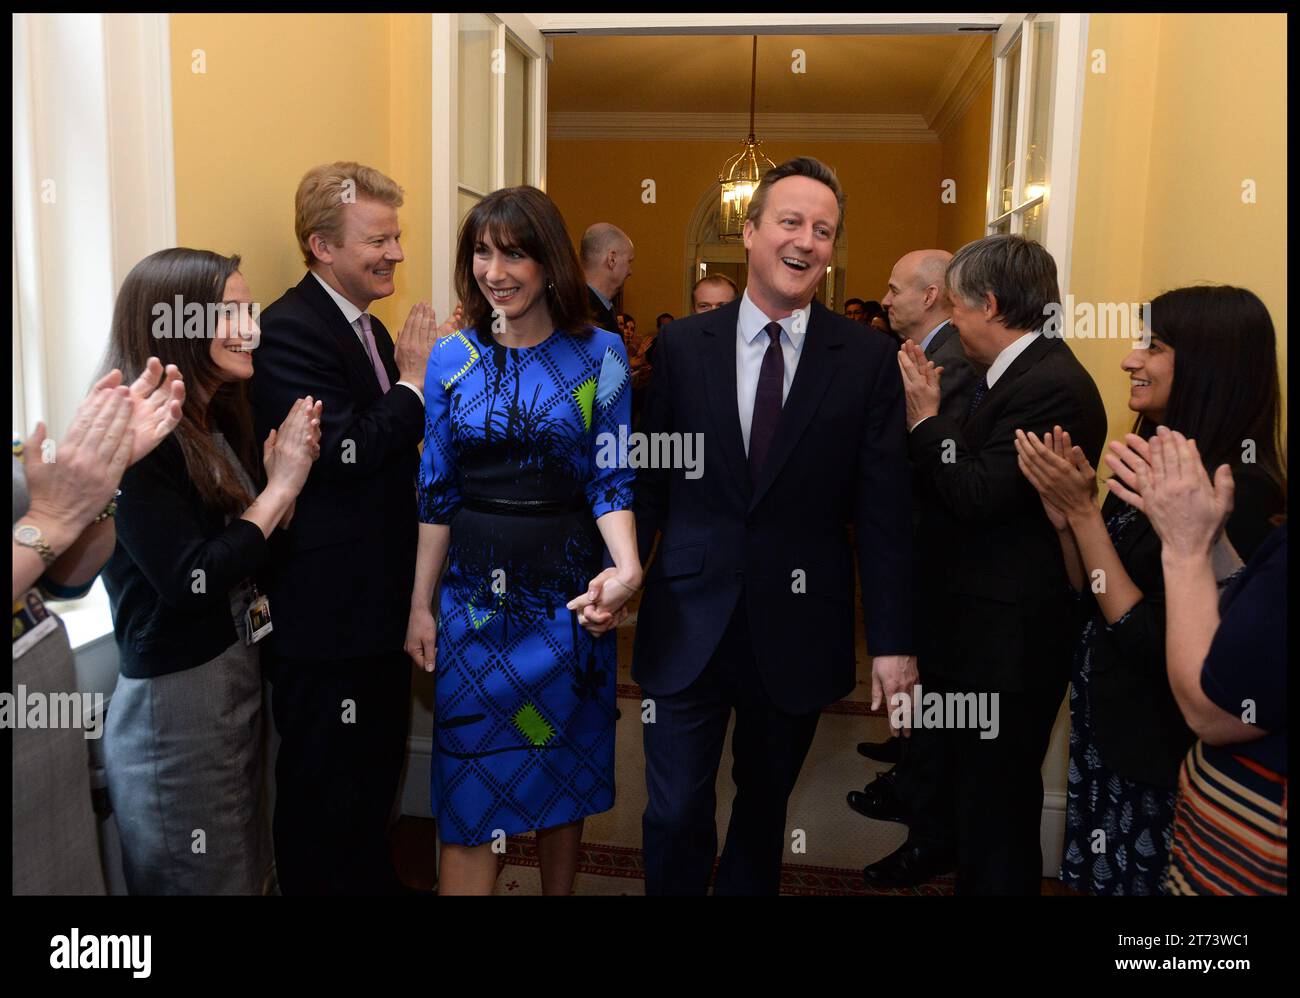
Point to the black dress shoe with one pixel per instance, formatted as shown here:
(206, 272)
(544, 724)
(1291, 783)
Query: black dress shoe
(879, 800)
(886, 751)
(909, 866)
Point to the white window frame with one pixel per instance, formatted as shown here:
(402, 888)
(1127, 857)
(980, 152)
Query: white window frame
(1070, 39)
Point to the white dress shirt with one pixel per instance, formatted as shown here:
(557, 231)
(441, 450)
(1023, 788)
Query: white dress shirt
(1009, 353)
(751, 344)
(1000, 363)
(353, 315)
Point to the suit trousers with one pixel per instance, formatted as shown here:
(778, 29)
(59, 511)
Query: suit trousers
(683, 747)
(342, 727)
(984, 797)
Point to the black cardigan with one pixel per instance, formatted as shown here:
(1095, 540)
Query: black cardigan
(176, 561)
(1139, 729)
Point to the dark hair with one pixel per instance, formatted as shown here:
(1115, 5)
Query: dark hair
(800, 166)
(855, 301)
(661, 316)
(194, 277)
(526, 220)
(1019, 273)
(1225, 389)
(873, 309)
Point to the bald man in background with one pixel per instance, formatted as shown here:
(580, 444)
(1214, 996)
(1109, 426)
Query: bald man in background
(607, 255)
(918, 309)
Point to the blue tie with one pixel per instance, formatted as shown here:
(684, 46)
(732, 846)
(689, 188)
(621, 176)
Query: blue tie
(981, 390)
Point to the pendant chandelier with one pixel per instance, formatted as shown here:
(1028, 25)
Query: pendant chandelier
(740, 174)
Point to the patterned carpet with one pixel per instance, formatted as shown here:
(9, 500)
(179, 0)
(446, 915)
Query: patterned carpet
(836, 841)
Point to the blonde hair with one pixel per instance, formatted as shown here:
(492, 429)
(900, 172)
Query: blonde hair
(325, 189)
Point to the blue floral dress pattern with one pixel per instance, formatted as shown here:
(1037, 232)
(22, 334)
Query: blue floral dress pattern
(524, 698)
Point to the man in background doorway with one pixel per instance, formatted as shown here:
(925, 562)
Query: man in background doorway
(607, 254)
(712, 292)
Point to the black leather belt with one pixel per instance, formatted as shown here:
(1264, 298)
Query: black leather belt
(524, 507)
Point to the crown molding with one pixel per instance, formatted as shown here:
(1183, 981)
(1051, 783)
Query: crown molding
(660, 126)
(965, 79)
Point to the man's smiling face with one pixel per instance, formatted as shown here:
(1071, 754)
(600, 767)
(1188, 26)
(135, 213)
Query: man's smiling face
(791, 244)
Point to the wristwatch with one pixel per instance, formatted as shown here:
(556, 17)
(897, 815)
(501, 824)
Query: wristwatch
(29, 536)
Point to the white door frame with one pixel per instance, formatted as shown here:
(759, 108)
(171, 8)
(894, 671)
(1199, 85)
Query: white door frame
(522, 31)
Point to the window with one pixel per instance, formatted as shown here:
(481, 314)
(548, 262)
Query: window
(1025, 83)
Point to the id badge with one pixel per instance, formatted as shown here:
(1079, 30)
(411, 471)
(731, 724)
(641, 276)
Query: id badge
(32, 621)
(258, 618)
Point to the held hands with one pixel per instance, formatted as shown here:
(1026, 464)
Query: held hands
(891, 675)
(289, 452)
(1166, 479)
(1060, 471)
(602, 606)
(920, 383)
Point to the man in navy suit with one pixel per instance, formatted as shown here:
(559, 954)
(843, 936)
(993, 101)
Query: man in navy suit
(748, 605)
(340, 584)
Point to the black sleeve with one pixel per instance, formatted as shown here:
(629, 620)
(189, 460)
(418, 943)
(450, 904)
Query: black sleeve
(158, 525)
(1139, 636)
(975, 485)
(294, 360)
(652, 484)
(882, 503)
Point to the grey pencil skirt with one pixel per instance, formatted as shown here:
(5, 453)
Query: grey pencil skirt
(183, 755)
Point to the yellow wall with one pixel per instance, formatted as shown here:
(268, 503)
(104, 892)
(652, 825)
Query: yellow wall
(282, 93)
(892, 205)
(965, 159)
(1190, 105)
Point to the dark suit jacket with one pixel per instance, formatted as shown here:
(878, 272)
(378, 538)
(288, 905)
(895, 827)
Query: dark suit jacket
(960, 374)
(341, 577)
(988, 558)
(839, 456)
(601, 317)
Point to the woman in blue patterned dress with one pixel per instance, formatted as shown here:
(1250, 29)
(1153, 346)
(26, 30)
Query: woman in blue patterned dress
(1127, 734)
(517, 495)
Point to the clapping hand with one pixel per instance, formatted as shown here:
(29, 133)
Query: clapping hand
(602, 607)
(920, 383)
(157, 396)
(289, 452)
(1171, 486)
(1060, 471)
(71, 482)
